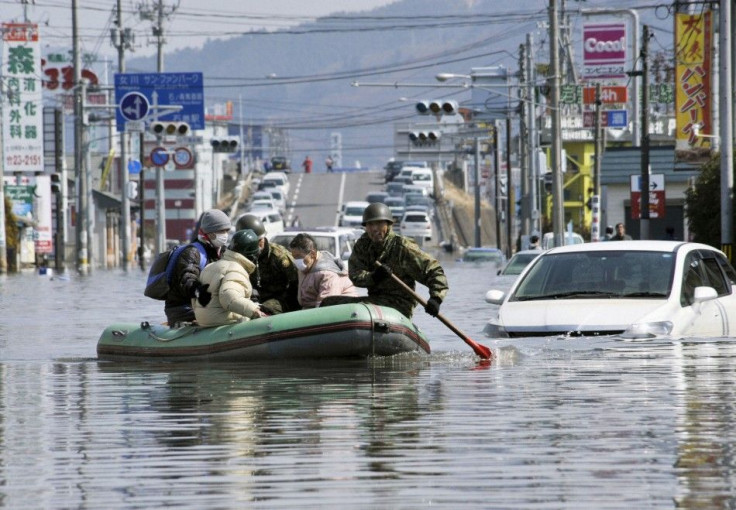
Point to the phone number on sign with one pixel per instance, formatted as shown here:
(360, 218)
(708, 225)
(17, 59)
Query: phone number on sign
(26, 160)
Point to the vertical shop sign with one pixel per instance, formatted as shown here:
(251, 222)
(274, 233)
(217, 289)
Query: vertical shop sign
(22, 99)
(693, 95)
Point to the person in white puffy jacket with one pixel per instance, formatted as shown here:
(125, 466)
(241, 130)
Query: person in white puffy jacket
(228, 282)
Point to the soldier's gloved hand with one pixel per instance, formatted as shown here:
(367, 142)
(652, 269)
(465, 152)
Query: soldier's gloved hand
(382, 273)
(433, 306)
(203, 295)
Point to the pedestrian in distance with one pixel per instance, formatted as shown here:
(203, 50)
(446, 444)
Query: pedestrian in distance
(275, 280)
(329, 163)
(228, 281)
(321, 274)
(621, 234)
(212, 235)
(399, 256)
(307, 164)
(609, 233)
(534, 243)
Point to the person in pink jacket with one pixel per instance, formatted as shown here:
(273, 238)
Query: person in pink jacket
(321, 274)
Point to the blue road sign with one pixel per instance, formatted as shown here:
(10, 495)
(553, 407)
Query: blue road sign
(134, 106)
(134, 166)
(159, 156)
(163, 89)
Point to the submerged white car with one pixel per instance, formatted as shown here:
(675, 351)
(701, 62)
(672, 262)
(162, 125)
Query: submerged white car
(635, 289)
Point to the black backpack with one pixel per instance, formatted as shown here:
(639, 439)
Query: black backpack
(162, 270)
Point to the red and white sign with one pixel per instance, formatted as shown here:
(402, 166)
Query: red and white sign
(656, 196)
(604, 50)
(609, 94)
(22, 103)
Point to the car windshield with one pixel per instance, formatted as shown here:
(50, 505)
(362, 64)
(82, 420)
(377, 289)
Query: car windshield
(354, 211)
(416, 199)
(415, 218)
(518, 262)
(597, 274)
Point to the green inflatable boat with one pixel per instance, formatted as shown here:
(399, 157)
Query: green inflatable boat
(344, 331)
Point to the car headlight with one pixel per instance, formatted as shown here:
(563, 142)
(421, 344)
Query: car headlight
(495, 330)
(648, 330)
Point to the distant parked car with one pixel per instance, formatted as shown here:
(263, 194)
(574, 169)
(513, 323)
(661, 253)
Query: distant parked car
(280, 178)
(376, 196)
(519, 261)
(416, 224)
(351, 214)
(548, 240)
(338, 241)
(280, 163)
(396, 204)
(634, 289)
(484, 254)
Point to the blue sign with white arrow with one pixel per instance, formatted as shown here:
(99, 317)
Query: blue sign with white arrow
(170, 97)
(134, 106)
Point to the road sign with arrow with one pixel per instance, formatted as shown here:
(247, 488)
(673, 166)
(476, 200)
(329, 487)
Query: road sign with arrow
(657, 196)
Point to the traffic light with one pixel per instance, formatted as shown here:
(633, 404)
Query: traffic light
(170, 128)
(424, 137)
(225, 144)
(55, 183)
(437, 107)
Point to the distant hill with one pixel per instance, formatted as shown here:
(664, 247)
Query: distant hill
(313, 65)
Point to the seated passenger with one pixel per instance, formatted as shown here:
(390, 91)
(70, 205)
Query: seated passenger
(229, 284)
(321, 274)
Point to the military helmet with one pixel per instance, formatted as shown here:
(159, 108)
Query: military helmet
(251, 222)
(377, 211)
(244, 242)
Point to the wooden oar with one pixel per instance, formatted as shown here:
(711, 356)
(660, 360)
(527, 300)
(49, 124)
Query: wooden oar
(481, 350)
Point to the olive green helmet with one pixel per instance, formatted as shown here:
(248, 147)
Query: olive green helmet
(251, 222)
(245, 242)
(377, 211)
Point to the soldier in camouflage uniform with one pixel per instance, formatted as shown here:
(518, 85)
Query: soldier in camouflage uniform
(276, 279)
(398, 255)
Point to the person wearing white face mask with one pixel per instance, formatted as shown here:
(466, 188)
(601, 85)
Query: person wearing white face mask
(212, 236)
(320, 273)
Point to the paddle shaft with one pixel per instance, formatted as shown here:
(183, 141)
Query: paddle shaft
(481, 350)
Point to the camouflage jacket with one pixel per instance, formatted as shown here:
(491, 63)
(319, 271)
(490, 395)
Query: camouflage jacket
(406, 260)
(276, 276)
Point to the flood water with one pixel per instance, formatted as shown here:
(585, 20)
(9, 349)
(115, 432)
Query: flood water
(551, 423)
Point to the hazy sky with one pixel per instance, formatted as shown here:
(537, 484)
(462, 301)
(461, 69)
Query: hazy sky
(190, 24)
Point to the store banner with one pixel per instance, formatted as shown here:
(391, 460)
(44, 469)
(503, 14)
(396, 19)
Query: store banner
(604, 51)
(693, 94)
(22, 102)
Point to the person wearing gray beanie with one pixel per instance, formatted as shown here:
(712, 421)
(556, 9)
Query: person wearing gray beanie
(212, 236)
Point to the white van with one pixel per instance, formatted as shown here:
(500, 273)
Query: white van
(425, 178)
(272, 220)
(548, 239)
(280, 178)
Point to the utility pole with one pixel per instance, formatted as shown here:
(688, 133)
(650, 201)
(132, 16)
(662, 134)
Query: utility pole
(497, 166)
(80, 175)
(726, 67)
(525, 155)
(558, 206)
(595, 232)
(157, 13)
(644, 208)
(532, 127)
(510, 202)
(120, 41)
(476, 190)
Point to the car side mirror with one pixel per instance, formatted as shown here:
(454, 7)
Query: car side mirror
(701, 294)
(495, 297)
